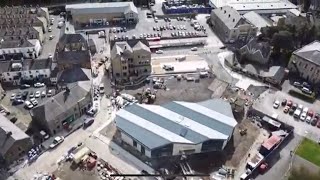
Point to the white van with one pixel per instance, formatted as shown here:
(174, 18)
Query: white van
(297, 113)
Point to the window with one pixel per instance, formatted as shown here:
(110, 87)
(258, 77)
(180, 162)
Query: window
(143, 151)
(135, 143)
(10, 79)
(8, 74)
(306, 66)
(311, 69)
(124, 67)
(299, 63)
(145, 70)
(124, 74)
(317, 71)
(58, 127)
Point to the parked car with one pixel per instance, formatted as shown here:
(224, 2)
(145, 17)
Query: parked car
(297, 84)
(12, 97)
(57, 140)
(19, 95)
(28, 105)
(310, 113)
(289, 103)
(291, 111)
(31, 94)
(276, 104)
(91, 112)
(308, 119)
(43, 94)
(303, 116)
(37, 85)
(194, 49)
(286, 109)
(159, 52)
(297, 113)
(314, 121)
(49, 94)
(283, 102)
(25, 95)
(44, 135)
(24, 86)
(38, 94)
(294, 106)
(88, 122)
(168, 67)
(17, 102)
(34, 102)
(306, 90)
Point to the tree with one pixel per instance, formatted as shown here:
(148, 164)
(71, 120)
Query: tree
(282, 40)
(306, 5)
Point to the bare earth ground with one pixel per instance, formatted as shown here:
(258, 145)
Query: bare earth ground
(65, 172)
(180, 91)
(234, 152)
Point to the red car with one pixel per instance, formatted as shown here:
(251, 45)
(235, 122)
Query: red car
(289, 103)
(310, 113)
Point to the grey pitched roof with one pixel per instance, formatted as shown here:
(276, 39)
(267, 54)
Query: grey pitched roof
(228, 15)
(255, 46)
(74, 75)
(176, 122)
(35, 64)
(95, 8)
(141, 46)
(310, 52)
(256, 20)
(62, 101)
(15, 44)
(9, 134)
(5, 66)
(275, 72)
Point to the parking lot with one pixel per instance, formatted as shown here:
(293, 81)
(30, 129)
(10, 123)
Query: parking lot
(154, 27)
(19, 110)
(265, 104)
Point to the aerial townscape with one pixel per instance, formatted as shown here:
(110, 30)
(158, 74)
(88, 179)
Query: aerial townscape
(159, 89)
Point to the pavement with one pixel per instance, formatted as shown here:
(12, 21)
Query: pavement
(265, 101)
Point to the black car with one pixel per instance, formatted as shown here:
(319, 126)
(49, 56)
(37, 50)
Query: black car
(291, 111)
(17, 101)
(88, 122)
(294, 106)
(314, 121)
(25, 95)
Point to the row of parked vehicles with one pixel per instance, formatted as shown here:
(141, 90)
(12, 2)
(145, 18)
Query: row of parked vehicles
(169, 27)
(299, 112)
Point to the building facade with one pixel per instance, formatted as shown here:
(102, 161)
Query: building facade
(130, 60)
(59, 111)
(14, 142)
(14, 72)
(230, 26)
(95, 14)
(176, 128)
(305, 62)
(27, 48)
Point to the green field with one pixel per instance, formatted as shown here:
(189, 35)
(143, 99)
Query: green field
(310, 151)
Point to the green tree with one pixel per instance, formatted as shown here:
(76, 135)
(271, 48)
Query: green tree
(282, 40)
(306, 5)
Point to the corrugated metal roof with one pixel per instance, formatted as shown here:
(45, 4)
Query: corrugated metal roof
(155, 126)
(256, 20)
(98, 8)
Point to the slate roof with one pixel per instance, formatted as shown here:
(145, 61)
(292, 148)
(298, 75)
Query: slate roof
(15, 44)
(6, 141)
(5, 66)
(74, 75)
(125, 48)
(31, 64)
(228, 15)
(97, 8)
(62, 101)
(310, 52)
(256, 46)
(176, 122)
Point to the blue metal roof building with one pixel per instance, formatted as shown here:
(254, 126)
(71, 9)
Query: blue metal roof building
(177, 127)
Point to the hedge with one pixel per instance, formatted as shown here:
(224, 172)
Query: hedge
(310, 98)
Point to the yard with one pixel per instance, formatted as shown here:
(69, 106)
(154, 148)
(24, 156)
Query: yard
(310, 151)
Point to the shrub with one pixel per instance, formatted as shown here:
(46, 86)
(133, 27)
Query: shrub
(310, 98)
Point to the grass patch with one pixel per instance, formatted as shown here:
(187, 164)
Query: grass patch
(310, 151)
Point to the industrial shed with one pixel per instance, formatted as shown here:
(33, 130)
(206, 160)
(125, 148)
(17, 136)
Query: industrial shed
(177, 127)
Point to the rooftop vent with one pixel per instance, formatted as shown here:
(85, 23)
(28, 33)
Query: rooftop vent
(233, 20)
(229, 15)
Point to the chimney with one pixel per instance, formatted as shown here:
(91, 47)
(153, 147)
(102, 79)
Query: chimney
(233, 20)
(9, 133)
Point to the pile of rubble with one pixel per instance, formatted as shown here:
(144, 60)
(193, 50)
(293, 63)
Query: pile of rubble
(106, 170)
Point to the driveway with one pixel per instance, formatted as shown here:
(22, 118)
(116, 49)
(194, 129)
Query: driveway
(264, 104)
